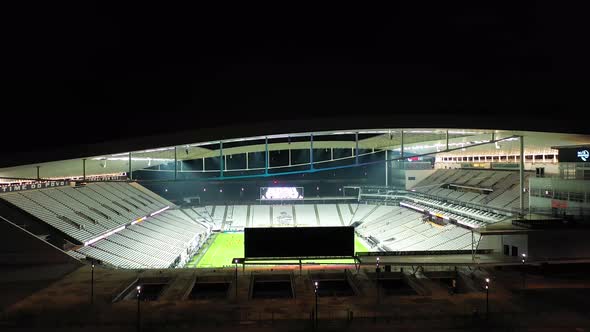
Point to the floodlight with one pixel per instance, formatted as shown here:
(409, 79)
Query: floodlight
(488, 280)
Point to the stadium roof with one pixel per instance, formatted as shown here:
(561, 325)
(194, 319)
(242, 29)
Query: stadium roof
(418, 141)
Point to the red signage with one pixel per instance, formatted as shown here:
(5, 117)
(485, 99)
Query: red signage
(558, 204)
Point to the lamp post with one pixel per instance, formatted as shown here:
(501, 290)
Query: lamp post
(138, 312)
(378, 271)
(236, 286)
(487, 297)
(92, 285)
(523, 260)
(316, 303)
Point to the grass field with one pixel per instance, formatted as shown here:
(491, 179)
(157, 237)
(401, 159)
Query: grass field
(226, 246)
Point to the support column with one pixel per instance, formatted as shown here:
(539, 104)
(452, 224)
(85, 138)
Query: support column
(175, 164)
(331, 153)
(266, 155)
(402, 146)
(521, 169)
(220, 159)
(203, 164)
(447, 138)
(386, 167)
(289, 157)
(310, 151)
(246, 160)
(356, 138)
(472, 247)
(130, 169)
(38, 173)
(83, 170)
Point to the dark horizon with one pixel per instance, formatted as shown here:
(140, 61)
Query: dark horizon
(89, 74)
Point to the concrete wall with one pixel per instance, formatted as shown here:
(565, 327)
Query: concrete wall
(493, 242)
(520, 241)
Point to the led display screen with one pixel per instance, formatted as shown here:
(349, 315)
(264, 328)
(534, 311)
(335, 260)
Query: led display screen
(298, 242)
(281, 193)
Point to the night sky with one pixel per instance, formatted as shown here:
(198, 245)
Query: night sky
(87, 73)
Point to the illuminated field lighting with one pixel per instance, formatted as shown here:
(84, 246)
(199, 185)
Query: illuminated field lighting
(204, 189)
(487, 280)
(220, 190)
(138, 220)
(89, 242)
(242, 189)
(159, 211)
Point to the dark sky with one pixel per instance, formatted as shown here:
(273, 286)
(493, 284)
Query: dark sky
(87, 73)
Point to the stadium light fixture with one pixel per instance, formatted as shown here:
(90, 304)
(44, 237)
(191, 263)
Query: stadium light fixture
(159, 211)
(166, 189)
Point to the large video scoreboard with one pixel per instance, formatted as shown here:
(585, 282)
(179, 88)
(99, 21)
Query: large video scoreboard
(299, 242)
(281, 193)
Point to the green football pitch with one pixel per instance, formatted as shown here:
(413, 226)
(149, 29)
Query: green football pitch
(223, 247)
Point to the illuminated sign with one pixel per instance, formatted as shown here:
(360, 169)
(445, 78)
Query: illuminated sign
(32, 185)
(281, 193)
(574, 155)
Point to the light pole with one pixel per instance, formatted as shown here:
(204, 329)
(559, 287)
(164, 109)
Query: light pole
(316, 303)
(378, 270)
(236, 286)
(523, 260)
(138, 312)
(487, 297)
(92, 285)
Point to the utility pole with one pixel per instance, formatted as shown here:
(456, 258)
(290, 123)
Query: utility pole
(92, 285)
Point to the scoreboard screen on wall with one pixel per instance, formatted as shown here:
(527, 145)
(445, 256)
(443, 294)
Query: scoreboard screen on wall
(281, 193)
(298, 242)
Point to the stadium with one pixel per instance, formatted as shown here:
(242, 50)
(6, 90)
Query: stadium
(246, 167)
(365, 218)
